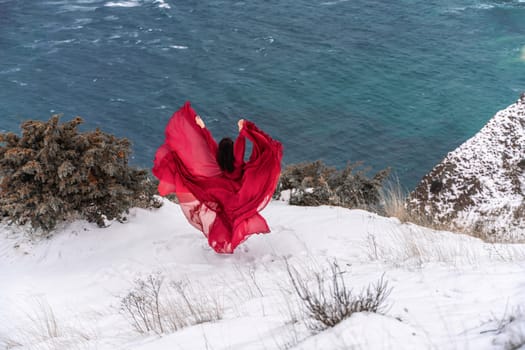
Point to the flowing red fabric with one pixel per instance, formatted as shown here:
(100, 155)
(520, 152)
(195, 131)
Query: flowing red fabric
(224, 206)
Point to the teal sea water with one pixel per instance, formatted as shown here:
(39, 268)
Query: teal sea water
(395, 84)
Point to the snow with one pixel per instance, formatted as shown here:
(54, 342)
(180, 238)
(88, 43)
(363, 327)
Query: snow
(449, 291)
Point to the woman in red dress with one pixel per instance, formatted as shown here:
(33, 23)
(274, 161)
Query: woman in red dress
(219, 193)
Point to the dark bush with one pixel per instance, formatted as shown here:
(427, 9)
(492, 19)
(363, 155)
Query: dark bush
(314, 183)
(53, 173)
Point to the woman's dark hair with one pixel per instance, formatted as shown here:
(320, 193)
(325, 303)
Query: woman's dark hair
(225, 155)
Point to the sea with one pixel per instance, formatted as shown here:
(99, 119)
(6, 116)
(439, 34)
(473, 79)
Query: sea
(394, 84)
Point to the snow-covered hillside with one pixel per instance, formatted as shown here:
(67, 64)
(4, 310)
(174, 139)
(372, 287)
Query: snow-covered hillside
(449, 291)
(480, 186)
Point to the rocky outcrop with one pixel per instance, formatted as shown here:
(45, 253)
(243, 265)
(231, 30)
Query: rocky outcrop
(480, 186)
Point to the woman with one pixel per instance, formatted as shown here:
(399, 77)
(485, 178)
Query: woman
(219, 193)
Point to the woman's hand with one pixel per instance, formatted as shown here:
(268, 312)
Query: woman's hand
(199, 122)
(240, 123)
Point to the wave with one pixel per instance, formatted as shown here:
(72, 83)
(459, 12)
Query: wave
(74, 6)
(162, 4)
(131, 3)
(135, 3)
(20, 83)
(330, 3)
(10, 70)
(466, 8)
(90, 5)
(77, 8)
(83, 21)
(488, 5)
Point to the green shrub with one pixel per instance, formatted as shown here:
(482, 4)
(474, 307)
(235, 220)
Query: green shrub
(52, 173)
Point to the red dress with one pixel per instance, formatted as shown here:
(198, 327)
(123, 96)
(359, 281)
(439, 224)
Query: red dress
(224, 206)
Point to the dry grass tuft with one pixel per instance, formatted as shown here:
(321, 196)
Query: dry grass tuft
(327, 300)
(394, 204)
(152, 306)
(43, 330)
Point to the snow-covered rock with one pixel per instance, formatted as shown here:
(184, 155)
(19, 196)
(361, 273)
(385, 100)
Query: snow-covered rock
(480, 186)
